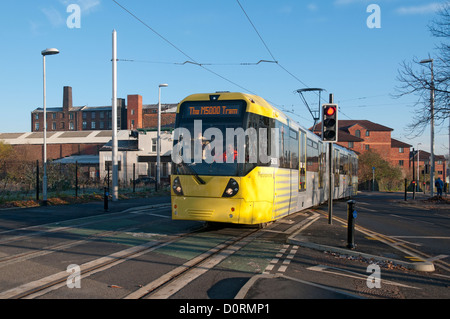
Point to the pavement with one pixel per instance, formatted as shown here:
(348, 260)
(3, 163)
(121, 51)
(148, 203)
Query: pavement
(315, 232)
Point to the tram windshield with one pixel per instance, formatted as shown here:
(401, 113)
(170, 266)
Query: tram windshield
(207, 139)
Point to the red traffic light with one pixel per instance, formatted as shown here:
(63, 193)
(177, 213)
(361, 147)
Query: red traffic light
(330, 110)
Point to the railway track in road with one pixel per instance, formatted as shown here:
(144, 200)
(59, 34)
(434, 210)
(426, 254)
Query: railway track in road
(160, 288)
(170, 283)
(207, 248)
(46, 229)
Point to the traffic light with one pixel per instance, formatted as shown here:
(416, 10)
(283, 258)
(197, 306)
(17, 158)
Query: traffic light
(329, 123)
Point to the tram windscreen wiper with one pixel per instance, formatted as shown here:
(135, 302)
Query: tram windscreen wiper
(192, 172)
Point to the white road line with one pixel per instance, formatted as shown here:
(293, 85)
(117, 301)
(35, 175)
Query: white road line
(352, 274)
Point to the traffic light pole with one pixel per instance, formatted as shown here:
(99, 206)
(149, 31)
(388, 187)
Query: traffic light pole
(330, 179)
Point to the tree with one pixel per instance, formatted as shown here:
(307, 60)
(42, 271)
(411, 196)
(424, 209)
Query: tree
(416, 78)
(386, 176)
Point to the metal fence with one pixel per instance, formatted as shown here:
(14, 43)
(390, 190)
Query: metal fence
(23, 180)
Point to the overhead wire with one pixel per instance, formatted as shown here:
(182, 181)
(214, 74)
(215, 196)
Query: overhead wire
(191, 60)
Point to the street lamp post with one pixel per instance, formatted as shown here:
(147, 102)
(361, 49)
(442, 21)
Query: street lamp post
(432, 127)
(44, 186)
(418, 162)
(158, 138)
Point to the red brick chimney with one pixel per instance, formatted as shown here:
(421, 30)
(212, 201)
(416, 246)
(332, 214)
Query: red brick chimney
(134, 112)
(67, 98)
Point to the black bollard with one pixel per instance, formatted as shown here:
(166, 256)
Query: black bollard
(351, 215)
(105, 199)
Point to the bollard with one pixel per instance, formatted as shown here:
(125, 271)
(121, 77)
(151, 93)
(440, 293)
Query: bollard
(105, 199)
(351, 215)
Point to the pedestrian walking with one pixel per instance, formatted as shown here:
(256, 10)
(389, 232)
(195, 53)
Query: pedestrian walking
(439, 185)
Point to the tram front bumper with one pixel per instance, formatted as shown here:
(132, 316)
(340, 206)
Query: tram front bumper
(223, 210)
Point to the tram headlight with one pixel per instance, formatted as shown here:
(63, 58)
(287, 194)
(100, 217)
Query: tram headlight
(231, 189)
(177, 189)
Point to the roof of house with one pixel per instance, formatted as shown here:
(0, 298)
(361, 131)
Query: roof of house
(346, 124)
(397, 143)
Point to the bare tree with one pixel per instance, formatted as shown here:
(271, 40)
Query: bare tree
(419, 79)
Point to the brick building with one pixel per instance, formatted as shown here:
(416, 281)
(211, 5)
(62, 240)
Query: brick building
(87, 118)
(363, 135)
(424, 167)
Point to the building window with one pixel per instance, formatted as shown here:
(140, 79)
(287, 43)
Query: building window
(132, 111)
(358, 133)
(54, 126)
(62, 125)
(439, 172)
(54, 116)
(84, 115)
(102, 115)
(350, 144)
(400, 162)
(401, 150)
(154, 142)
(36, 116)
(93, 125)
(71, 126)
(84, 124)
(36, 126)
(367, 133)
(71, 116)
(367, 147)
(93, 115)
(102, 125)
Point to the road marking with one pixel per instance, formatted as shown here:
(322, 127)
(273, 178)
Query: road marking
(422, 237)
(437, 258)
(173, 287)
(415, 220)
(352, 274)
(285, 262)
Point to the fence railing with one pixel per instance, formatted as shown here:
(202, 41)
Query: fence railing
(22, 180)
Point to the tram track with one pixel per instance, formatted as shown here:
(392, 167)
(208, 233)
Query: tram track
(162, 287)
(55, 281)
(7, 260)
(173, 281)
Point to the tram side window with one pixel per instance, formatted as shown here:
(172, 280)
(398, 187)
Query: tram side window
(262, 125)
(321, 164)
(284, 146)
(302, 164)
(312, 156)
(344, 165)
(336, 168)
(350, 170)
(293, 146)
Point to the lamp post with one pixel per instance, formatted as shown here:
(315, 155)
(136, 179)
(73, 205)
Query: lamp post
(44, 186)
(158, 138)
(432, 127)
(418, 162)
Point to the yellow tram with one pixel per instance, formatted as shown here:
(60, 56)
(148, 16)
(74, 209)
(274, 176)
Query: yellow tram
(237, 159)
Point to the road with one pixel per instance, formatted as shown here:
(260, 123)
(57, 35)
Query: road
(135, 251)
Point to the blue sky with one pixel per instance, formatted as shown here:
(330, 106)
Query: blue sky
(325, 44)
